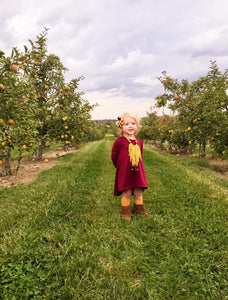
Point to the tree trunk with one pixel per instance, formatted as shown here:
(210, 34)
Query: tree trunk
(202, 149)
(7, 162)
(40, 150)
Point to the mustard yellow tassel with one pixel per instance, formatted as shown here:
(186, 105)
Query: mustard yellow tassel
(135, 155)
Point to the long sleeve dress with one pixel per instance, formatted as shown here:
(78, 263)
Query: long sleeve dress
(126, 178)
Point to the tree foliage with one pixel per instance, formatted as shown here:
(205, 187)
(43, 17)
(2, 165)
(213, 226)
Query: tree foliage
(200, 108)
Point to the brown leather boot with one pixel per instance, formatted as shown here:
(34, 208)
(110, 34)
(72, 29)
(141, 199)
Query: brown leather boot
(126, 212)
(140, 209)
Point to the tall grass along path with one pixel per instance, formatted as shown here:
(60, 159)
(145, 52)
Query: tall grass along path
(62, 236)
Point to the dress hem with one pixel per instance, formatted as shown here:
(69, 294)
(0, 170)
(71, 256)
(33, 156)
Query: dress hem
(131, 187)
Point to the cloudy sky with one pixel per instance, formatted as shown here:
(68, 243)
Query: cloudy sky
(120, 47)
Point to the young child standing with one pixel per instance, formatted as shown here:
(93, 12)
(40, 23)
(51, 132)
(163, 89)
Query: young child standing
(127, 155)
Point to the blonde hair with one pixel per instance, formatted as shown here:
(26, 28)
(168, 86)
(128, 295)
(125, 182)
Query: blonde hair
(133, 116)
(130, 115)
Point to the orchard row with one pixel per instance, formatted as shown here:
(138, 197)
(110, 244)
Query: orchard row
(37, 105)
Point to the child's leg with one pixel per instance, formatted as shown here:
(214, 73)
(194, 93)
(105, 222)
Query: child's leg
(125, 204)
(125, 200)
(138, 198)
(139, 206)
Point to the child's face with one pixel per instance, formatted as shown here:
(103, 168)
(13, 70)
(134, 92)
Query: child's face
(130, 126)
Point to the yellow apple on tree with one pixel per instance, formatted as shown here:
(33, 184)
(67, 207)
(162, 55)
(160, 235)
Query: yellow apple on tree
(2, 122)
(11, 122)
(13, 67)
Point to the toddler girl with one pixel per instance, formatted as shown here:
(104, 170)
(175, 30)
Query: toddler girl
(127, 154)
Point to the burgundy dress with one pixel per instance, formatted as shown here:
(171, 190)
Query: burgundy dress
(126, 178)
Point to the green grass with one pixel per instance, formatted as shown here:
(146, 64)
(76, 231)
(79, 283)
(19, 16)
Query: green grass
(62, 236)
(32, 151)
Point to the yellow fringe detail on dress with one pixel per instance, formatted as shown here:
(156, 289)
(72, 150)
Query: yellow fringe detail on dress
(135, 155)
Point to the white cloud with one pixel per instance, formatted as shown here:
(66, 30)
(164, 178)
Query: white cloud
(21, 25)
(112, 104)
(134, 59)
(146, 80)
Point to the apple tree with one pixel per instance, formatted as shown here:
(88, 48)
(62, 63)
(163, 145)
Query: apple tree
(149, 129)
(71, 115)
(45, 72)
(17, 125)
(200, 107)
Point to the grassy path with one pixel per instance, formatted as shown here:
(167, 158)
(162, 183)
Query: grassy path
(62, 236)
